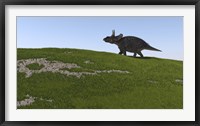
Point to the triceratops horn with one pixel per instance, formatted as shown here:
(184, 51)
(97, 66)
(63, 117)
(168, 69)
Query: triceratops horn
(113, 32)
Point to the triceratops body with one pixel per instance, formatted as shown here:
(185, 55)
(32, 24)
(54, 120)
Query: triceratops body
(129, 44)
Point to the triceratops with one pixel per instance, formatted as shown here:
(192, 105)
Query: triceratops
(129, 44)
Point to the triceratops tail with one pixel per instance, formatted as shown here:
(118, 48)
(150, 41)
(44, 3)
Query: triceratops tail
(153, 49)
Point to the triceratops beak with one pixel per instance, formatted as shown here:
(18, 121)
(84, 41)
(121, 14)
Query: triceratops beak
(104, 39)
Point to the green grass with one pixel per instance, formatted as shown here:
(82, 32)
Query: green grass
(35, 66)
(151, 83)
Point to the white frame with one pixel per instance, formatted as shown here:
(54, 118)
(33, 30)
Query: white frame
(185, 114)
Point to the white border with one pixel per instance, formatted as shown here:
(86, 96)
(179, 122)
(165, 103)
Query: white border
(186, 114)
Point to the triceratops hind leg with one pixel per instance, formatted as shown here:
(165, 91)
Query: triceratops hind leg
(140, 53)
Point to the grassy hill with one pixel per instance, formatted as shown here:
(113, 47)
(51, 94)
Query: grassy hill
(117, 82)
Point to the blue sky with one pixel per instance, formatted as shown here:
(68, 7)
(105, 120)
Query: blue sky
(82, 32)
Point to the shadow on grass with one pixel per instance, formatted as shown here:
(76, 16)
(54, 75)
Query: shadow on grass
(144, 58)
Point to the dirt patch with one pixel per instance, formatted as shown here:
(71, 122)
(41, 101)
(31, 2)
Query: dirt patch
(152, 81)
(57, 67)
(88, 62)
(30, 99)
(25, 102)
(67, 52)
(49, 66)
(179, 81)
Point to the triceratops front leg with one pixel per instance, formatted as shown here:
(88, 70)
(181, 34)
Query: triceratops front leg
(124, 53)
(134, 54)
(120, 52)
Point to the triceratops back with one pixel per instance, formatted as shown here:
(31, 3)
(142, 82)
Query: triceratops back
(133, 43)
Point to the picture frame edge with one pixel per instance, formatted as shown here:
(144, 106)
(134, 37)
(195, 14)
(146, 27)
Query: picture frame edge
(3, 3)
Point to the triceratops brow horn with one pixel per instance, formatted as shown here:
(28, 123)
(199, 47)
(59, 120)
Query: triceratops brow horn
(113, 32)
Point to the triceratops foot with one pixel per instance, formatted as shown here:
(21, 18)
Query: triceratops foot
(120, 52)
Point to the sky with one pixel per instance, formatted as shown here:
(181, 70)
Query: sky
(83, 32)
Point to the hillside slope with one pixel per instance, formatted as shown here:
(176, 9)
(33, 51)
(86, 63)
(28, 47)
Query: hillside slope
(51, 78)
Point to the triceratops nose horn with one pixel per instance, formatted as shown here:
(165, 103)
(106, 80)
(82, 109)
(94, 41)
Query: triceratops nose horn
(113, 32)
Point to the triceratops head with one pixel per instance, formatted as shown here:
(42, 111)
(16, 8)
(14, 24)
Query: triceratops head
(113, 39)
